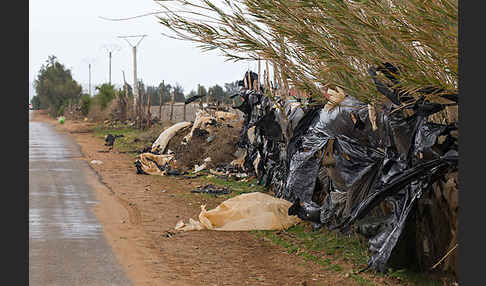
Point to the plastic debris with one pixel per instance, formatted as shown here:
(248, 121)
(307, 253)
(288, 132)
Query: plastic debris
(252, 211)
(161, 142)
(198, 168)
(212, 190)
(110, 139)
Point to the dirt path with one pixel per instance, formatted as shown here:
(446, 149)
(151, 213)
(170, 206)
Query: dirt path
(139, 212)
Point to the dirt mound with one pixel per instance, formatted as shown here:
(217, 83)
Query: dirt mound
(222, 139)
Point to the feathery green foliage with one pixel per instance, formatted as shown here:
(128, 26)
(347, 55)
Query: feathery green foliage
(106, 93)
(315, 43)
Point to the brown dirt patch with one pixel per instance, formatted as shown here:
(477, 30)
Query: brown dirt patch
(138, 217)
(220, 149)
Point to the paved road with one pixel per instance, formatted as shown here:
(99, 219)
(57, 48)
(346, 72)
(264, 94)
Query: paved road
(66, 242)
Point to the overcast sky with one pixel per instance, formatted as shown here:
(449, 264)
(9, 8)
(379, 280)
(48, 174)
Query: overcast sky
(73, 32)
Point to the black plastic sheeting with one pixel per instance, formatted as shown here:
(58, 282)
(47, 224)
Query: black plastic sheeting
(212, 190)
(110, 139)
(339, 172)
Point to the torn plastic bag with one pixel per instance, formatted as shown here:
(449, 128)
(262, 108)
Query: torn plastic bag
(153, 164)
(348, 147)
(252, 211)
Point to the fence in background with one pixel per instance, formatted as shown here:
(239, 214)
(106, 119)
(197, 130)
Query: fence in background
(178, 111)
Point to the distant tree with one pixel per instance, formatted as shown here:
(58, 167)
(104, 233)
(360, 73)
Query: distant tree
(232, 88)
(178, 93)
(141, 92)
(85, 103)
(201, 90)
(35, 101)
(165, 89)
(55, 86)
(106, 93)
(216, 93)
(191, 94)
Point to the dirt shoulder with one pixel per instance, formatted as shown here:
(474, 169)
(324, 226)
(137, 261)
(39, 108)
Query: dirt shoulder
(139, 212)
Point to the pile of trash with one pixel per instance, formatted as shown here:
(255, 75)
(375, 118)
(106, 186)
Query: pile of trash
(380, 169)
(385, 171)
(208, 143)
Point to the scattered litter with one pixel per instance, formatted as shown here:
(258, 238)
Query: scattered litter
(212, 190)
(198, 168)
(110, 139)
(154, 164)
(252, 211)
(96, 162)
(210, 138)
(174, 172)
(169, 234)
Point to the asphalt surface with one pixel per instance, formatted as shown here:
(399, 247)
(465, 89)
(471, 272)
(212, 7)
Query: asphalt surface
(66, 242)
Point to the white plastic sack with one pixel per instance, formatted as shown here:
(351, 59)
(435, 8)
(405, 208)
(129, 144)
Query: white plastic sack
(252, 211)
(202, 118)
(168, 133)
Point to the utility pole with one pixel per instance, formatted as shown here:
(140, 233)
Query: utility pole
(134, 49)
(89, 61)
(110, 49)
(89, 67)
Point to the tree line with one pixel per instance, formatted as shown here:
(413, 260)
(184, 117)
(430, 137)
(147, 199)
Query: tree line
(215, 93)
(56, 89)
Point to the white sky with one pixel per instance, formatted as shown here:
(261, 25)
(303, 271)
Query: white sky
(73, 32)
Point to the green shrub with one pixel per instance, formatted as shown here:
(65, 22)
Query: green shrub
(106, 93)
(85, 104)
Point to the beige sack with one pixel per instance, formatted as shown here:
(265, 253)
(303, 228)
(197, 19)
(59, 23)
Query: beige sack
(150, 161)
(253, 211)
(223, 115)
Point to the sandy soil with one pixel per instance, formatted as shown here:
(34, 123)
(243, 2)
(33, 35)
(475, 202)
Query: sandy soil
(139, 212)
